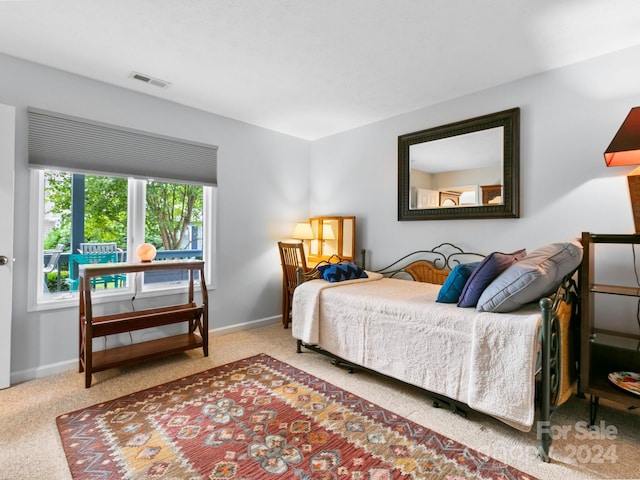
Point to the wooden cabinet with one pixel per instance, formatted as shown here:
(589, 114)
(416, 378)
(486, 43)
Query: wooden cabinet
(603, 348)
(195, 315)
(332, 236)
(491, 193)
(449, 199)
(426, 198)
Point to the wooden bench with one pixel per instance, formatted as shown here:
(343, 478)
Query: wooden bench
(196, 316)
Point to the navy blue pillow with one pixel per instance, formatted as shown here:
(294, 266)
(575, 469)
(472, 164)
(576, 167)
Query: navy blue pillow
(455, 282)
(489, 268)
(338, 272)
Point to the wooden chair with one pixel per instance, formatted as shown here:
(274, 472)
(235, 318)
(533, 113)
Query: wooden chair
(291, 257)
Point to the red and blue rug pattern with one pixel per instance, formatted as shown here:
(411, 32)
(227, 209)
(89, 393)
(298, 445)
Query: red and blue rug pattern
(260, 418)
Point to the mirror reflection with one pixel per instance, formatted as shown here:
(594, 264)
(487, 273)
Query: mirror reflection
(467, 169)
(462, 171)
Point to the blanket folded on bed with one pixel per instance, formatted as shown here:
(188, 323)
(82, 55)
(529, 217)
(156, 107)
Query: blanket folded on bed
(501, 383)
(306, 306)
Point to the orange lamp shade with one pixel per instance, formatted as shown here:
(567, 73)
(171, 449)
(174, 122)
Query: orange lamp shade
(146, 252)
(625, 146)
(625, 150)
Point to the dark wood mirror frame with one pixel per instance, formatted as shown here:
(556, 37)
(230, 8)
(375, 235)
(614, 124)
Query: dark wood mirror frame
(510, 207)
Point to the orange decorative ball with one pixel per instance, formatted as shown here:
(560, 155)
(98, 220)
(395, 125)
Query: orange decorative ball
(146, 252)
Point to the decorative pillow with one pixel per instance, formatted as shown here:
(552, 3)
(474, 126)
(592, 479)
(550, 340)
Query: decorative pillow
(453, 285)
(490, 267)
(338, 272)
(537, 275)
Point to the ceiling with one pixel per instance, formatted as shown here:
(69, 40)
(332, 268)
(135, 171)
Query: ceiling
(313, 68)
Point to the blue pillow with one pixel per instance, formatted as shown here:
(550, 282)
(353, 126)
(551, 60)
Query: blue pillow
(337, 272)
(537, 275)
(489, 268)
(455, 282)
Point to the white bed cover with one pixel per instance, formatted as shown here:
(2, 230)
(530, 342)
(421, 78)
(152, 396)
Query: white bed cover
(395, 327)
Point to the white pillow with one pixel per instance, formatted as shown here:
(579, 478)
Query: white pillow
(535, 276)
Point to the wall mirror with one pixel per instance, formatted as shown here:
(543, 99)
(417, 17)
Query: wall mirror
(466, 169)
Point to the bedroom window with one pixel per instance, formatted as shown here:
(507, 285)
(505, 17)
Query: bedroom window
(86, 218)
(100, 190)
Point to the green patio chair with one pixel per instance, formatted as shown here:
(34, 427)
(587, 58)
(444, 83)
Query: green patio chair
(94, 258)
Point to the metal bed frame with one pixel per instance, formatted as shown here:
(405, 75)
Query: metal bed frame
(444, 257)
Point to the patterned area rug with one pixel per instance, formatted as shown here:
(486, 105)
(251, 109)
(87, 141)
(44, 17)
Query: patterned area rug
(260, 418)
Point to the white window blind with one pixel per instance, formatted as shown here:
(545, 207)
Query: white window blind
(76, 144)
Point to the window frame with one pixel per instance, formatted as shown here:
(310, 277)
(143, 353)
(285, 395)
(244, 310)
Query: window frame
(39, 300)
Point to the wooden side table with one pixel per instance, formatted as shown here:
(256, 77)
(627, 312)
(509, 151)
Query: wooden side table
(194, 314)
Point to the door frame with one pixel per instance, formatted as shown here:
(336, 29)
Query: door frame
(7, 163)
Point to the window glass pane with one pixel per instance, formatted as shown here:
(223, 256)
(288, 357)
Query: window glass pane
(89, 227)
(173, 225)
(105, 228)
(86, 220)
(57, 231)
(105, 212)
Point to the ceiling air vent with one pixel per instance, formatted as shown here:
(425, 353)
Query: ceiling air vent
(148, 79)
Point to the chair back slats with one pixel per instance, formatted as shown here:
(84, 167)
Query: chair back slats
(291, 257)
(101, 248)
(98, 247)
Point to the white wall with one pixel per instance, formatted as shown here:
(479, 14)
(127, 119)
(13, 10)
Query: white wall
(568, 117)
(263, 191)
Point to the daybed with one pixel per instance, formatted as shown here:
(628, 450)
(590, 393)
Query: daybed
(498, 362)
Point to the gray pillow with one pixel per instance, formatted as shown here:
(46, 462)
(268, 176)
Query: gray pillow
(537, 275)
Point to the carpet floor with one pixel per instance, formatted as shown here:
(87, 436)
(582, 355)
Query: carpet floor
(260, 418)
(30, 446)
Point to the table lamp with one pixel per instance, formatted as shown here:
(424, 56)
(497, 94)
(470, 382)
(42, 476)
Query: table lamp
(146, 252)
(625, 150)
(303, 232)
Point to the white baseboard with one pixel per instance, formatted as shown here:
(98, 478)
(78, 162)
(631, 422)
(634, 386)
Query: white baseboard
(238, 327)
(43, 371)
(60, 367)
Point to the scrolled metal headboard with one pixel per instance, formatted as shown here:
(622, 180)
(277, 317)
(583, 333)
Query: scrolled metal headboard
(444, 256)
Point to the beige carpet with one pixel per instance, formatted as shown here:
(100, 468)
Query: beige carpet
(30, 446)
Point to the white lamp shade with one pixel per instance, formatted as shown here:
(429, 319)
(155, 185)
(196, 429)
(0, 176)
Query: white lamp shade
(303, 231)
